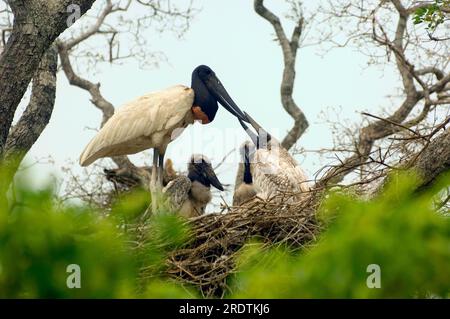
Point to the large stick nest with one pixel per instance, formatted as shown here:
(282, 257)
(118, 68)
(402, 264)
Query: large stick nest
(209, 259)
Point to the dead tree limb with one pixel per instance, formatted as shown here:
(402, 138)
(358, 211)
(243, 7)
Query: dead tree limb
(434, 159)
(414, 94)
(290, 48)
(97, 98)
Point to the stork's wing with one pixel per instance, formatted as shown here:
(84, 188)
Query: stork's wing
(177, 192)
(276, 172)
(140, 124)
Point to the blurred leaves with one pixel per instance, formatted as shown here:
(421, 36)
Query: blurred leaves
(37, 243)
(39, 239)
(400, 232)
(152, 237)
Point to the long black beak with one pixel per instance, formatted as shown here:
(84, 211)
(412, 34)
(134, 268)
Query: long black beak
(216, 88)
(212, 178)
(262, 138)
(250, 133)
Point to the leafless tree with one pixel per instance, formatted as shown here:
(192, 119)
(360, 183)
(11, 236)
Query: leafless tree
(404, 136)
(385, 33)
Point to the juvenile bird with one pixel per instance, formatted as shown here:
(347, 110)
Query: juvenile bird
(189, 195)
(274, 171)
(244, 188)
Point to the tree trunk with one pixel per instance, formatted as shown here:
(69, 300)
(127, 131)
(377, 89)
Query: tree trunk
(36, 26)
(34, 120)
(434, 160)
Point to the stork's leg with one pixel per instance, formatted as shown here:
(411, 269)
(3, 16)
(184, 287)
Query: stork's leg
(154, 180)
(161, 170)
(154, 177)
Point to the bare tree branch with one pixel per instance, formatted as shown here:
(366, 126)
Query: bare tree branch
(126, 37)
(94, 89)
(289, 48)
(429, 163)
(94, 28)
(96, 97)
(398, 121)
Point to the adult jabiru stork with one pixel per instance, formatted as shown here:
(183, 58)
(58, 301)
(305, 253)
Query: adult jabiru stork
(189, 195)
(244, 189)
(274, 171)
(151, 120)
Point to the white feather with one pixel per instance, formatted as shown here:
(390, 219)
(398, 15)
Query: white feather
(147, 122)
(275, 172)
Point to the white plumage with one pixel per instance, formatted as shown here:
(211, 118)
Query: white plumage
(147, 122)
(244, 193)
(275, 172)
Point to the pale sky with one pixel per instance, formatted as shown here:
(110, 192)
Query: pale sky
(238, 45)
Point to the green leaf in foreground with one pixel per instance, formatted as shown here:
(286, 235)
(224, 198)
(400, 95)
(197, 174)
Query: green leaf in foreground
(400, 231)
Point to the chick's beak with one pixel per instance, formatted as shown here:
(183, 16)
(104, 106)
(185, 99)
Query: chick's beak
(212, 178)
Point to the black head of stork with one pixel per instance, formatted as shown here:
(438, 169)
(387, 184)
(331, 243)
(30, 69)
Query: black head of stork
(201, 170)
(208, 91)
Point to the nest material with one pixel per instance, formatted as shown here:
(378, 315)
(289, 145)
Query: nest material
(126, 179)
(210, 258)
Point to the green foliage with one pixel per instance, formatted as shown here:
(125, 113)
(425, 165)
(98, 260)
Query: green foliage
(432, 15)
(399, 231)
(155, 236)
(128, 208)
(167, 290)
(38, 241)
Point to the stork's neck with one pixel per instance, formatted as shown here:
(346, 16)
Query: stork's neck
(203, 99)
(200, 194)
(248, 179)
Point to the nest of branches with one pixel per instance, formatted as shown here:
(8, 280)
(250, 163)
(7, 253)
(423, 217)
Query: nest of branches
(210, 258)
